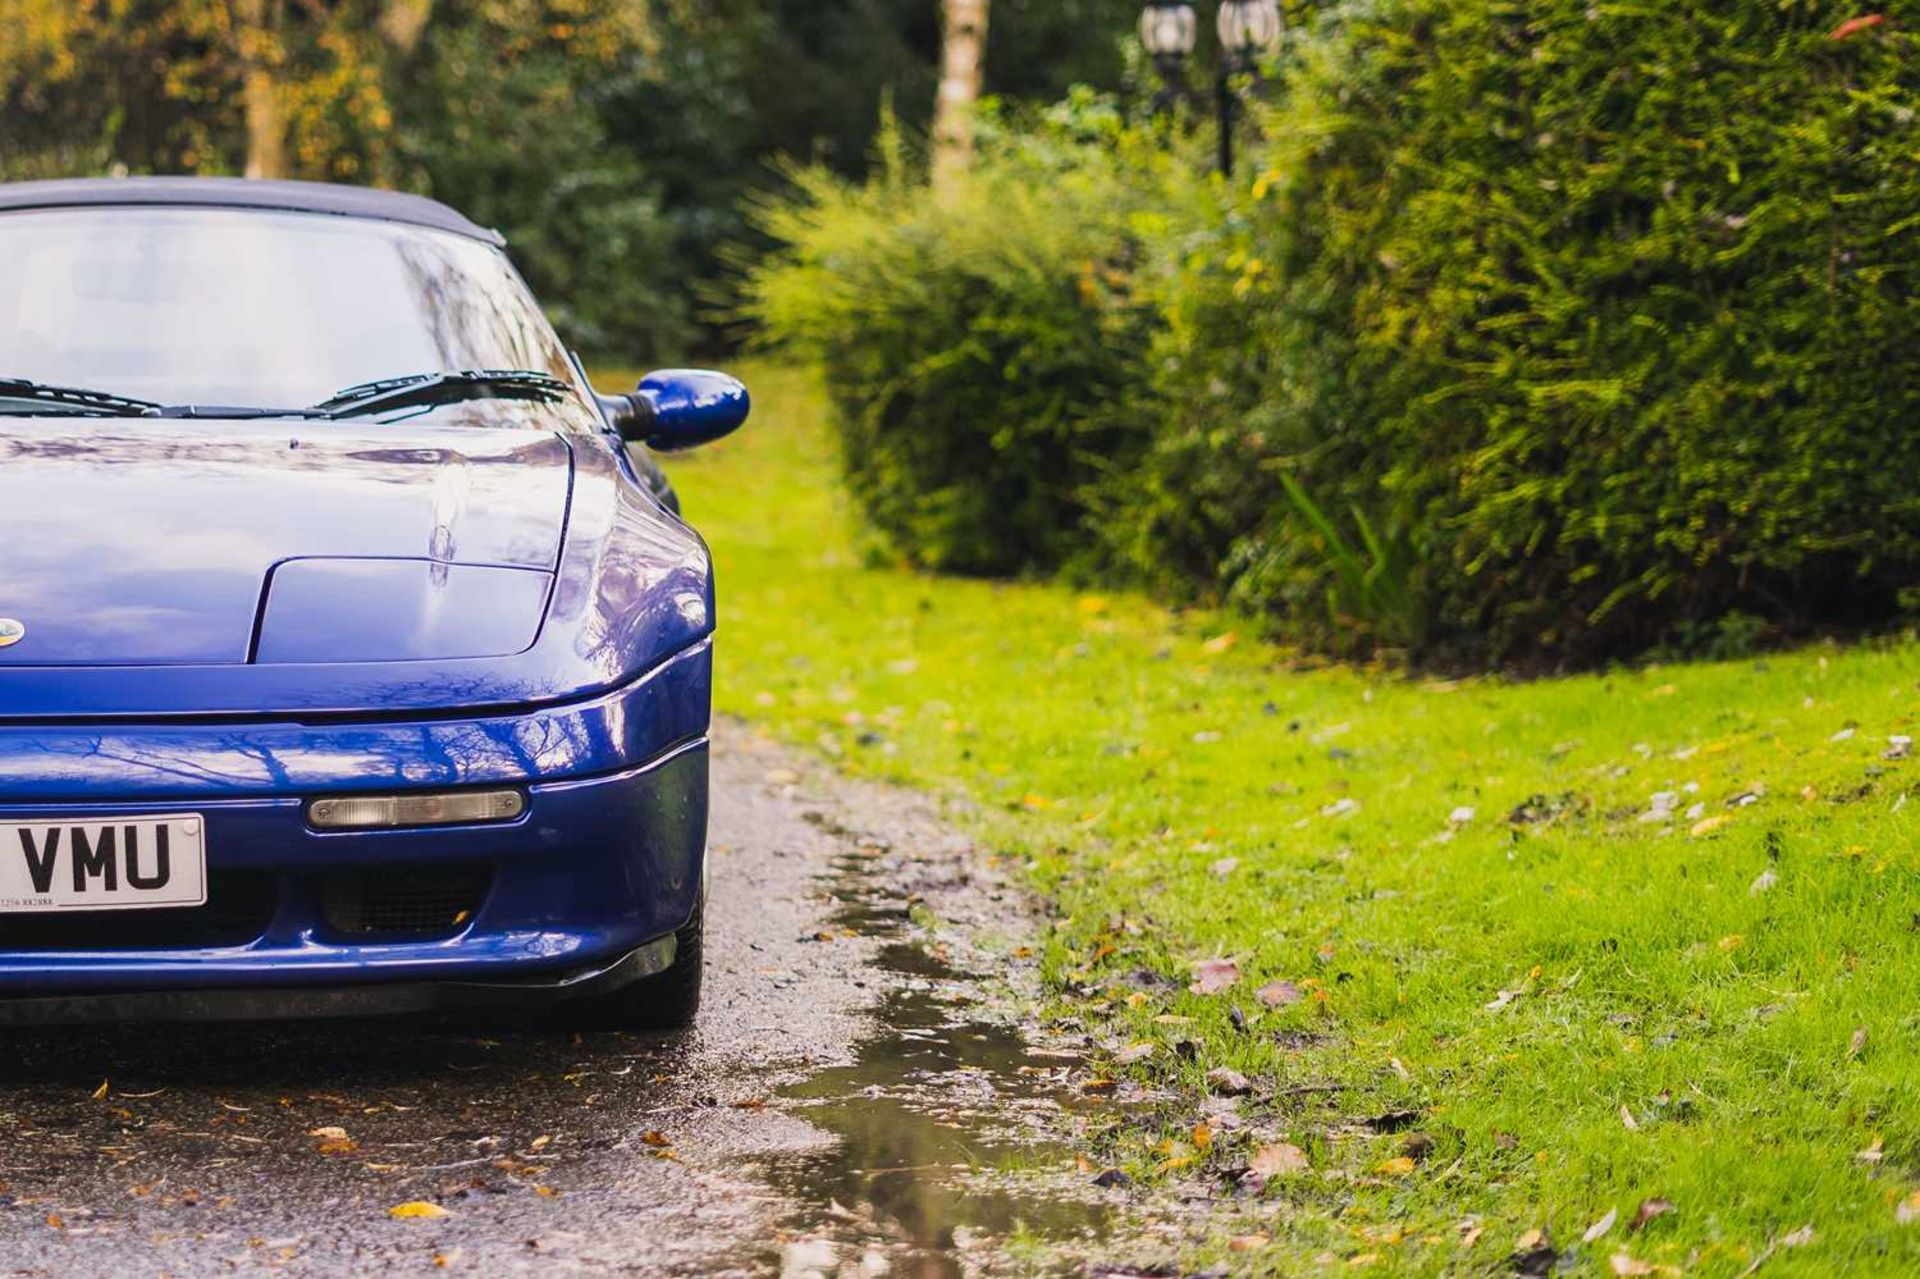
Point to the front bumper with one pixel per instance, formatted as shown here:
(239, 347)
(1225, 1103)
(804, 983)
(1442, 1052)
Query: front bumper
(371, 1000)
(581, 893)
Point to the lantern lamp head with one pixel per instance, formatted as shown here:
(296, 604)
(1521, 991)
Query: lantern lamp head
(1170, 31)
(1250, 30)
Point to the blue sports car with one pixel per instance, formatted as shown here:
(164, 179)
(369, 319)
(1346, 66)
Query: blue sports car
(353, 655)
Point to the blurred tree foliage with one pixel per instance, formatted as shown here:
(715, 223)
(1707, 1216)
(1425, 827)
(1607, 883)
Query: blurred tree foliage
(612, 142)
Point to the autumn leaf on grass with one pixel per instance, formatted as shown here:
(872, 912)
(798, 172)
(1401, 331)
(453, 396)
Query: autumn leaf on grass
(1507, 996)
(1398, 1166)
(1625, 1265)
(1211, 976)
(1228, 1082)
(1909, 1210)
(1221, 643)
(1647, 1211)
(1278, 994)
(1600, 1228)
(1280, 1159)
(418, 1210)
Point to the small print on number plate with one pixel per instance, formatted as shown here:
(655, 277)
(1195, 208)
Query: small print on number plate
(129, 863)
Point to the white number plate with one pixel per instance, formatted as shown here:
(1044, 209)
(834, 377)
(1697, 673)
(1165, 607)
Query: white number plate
(129, 863)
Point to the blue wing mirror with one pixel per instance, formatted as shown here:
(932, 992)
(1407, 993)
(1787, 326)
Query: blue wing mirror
(678, 409)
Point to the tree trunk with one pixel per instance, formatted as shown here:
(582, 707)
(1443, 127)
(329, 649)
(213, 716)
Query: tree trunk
(963, 59)
(403, 22)
(256, 37)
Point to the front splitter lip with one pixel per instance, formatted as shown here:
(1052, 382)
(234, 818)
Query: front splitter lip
(362, 1000)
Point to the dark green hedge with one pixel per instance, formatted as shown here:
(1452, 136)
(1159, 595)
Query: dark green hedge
(1601, 315)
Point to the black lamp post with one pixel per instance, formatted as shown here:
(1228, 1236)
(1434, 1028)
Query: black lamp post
(1248, 30)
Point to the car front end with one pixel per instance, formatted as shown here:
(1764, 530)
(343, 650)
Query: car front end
(374, 696)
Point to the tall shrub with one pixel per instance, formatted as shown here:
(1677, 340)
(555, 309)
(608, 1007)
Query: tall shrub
(982, 349)
(1604, 311)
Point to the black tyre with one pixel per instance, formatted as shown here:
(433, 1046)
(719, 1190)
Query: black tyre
(666, 1001)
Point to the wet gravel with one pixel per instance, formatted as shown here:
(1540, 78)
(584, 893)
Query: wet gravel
(841, 1108)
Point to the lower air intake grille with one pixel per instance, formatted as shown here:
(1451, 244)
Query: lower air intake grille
(404, 903)
(239, 908)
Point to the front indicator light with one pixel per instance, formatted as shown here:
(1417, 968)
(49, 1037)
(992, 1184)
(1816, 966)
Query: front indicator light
(388, 812)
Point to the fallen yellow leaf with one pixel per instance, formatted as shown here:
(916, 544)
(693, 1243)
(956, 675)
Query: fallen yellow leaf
(1398, 1166)
(418, 1210)
(1708, 825)
(1278, 1160)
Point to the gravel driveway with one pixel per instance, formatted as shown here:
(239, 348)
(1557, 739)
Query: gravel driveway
(831, 1113)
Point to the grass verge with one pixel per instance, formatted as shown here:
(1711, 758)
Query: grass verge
(1496, 961)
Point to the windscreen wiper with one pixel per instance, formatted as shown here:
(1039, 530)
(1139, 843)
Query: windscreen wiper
(81, 401)
(425, 390)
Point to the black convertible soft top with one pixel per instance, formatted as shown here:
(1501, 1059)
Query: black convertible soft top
(242, 193)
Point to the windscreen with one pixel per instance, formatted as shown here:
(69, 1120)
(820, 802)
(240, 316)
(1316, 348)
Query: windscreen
(217, 306)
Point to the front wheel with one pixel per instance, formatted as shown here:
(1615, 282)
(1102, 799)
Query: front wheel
(665, 1001)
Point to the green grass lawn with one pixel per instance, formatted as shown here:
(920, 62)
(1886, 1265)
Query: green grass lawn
(1589, 997)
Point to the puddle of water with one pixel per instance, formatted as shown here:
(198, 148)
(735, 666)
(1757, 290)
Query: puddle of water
(934, 1106)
